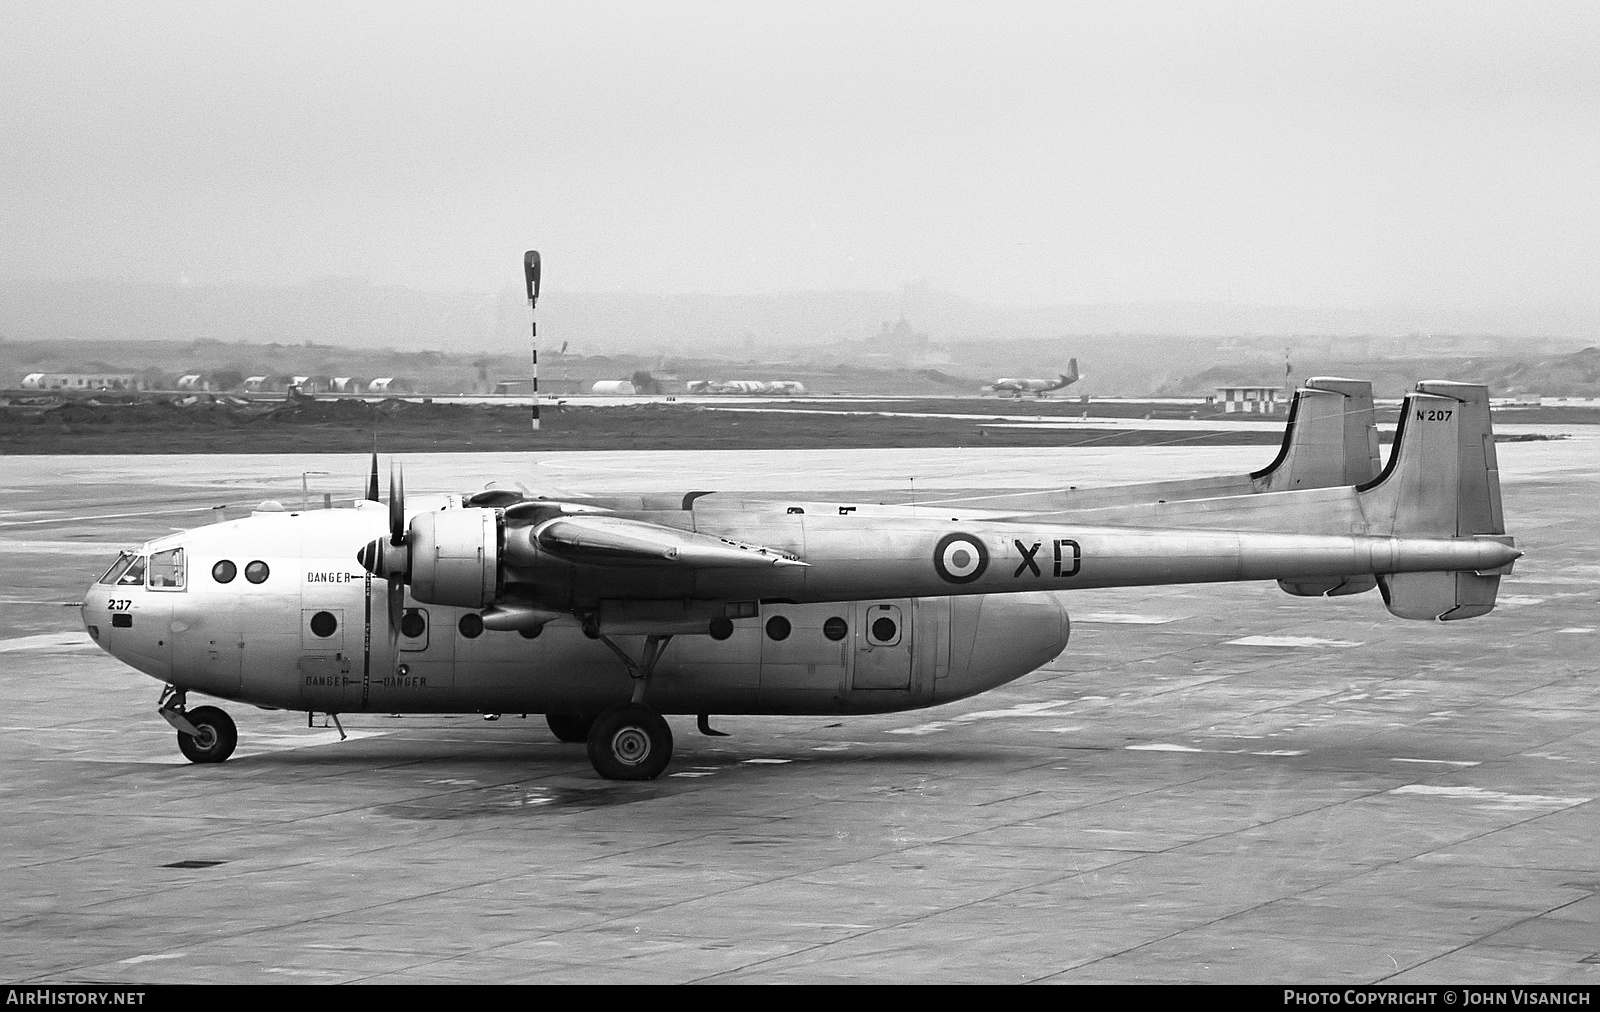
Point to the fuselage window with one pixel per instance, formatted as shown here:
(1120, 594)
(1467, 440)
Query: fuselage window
(778, 627)
(224, 571)
(835, 628)
(471, 625)
(324, 624)
(133, 576)
(883, 629)
(257, 572)
(413, 624)
(166, 570)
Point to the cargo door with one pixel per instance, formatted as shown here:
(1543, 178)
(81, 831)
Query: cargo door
(883, 643)
(332, 639)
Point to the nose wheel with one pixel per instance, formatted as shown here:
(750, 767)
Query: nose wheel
(630, 742)
(214, 737)
(205, 734)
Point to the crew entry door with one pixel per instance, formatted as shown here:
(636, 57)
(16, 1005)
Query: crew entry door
(883, 646)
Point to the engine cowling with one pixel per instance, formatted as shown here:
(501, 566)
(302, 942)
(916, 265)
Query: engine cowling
(455, 557)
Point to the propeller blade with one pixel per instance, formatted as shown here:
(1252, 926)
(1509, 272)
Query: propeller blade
(397, 508)
(397, 607)
(372, 480)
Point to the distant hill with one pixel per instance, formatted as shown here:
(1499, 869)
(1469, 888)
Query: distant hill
(358, 314)
(1576, 374)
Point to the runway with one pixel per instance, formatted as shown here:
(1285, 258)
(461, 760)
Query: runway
(1212, 784)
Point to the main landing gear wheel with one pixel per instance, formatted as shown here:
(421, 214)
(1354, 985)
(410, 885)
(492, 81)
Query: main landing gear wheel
(630, 742)
(569, 727)
(216, 739)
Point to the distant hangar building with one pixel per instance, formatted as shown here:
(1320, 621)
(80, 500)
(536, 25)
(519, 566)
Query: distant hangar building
(82, 381)
(1250, 400)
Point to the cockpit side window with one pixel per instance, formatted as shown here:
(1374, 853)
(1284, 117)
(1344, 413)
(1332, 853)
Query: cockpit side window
(133, 576)
(166, 570)
(119, 567)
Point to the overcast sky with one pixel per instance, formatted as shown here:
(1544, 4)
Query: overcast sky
(1291, 153)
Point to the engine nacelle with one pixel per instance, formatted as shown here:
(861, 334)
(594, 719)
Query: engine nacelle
(455, 556)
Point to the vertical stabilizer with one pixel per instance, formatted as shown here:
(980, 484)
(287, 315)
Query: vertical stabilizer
(1331, 438)
(1478, 508)
(1442, 481)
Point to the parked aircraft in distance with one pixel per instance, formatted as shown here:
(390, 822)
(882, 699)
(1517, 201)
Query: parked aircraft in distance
(790, 387)
(1015, 387)
(625, 608)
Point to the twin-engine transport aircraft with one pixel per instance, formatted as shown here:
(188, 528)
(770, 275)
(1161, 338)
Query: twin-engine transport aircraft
(605, 614)
(1015, 387)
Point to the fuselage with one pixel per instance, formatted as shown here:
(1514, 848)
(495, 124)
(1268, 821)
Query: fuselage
(275, 610)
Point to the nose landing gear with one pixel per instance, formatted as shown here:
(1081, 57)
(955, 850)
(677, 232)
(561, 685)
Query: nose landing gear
(206, 734)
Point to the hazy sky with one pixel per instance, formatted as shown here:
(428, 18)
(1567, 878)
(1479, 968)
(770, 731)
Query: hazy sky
(1350, 153)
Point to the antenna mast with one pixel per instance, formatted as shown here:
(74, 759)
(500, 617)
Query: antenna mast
(530, 270)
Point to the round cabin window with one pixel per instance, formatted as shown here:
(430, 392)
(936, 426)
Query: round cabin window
(835, 628)
(721, 628)
(324, 624)
(883, 629)
(257, 572)
(412, 624)
(471, 625)
(224, 571)
(778, 627)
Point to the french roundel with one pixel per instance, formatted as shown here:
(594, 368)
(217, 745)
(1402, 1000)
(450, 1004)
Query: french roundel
(960, 558)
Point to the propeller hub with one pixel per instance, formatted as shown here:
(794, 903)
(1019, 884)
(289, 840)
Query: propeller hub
(385, 560)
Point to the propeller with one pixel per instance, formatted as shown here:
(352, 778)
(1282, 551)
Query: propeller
(372, 480)
(397, 539)
(390, 559)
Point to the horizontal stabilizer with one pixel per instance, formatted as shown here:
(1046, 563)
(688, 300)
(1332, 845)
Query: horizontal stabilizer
(1333, 586)
(1442, 596)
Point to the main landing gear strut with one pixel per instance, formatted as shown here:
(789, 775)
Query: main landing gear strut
(631, 741)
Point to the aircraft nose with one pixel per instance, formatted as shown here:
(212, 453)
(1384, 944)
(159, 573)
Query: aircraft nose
(92, 614)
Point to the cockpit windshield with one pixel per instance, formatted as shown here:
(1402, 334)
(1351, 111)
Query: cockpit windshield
(134, 575)
(117, 569)
(164, 570)
(127, 571)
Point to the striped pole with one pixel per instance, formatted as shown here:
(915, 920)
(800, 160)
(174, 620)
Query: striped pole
(530, 270)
